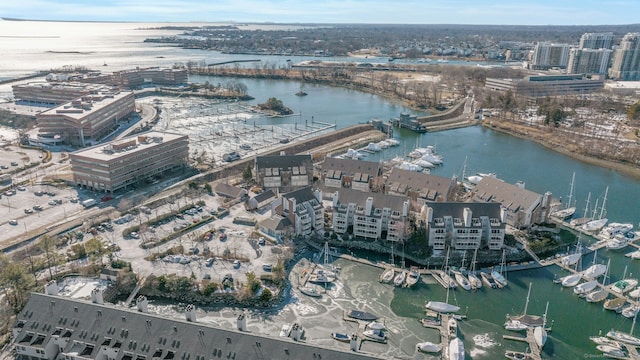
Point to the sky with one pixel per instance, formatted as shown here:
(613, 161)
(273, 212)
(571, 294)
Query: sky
(500, 12)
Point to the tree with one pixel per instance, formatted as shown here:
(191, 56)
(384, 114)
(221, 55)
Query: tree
(266, 295)
(634, 112)
(247, 173)
(16, 280)
(48, 246)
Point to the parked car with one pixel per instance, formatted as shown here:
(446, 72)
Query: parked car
(262, 241)
(134, 235)
(209, 262)
(28, 211)
(37, 207)
(21, 188)
(236, 264)
(106, 198)
(13, 222)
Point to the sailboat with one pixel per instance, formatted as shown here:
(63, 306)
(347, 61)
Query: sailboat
(412, 278)
(568, 210)
(475, 282)
(399, 279)
(461, 280)
(443, 307)
(573, 259)
(387, 275)
(597, 224)
(599, 294)
(325, 273)
(521, 322)
(571, 280)
(499, 278)
(488, 280)
(585, 216)
(585, 288)
(428, 347)
(596, 270)
(625, 338)
(539, 332)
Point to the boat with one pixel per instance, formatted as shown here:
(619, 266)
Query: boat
(603, 340)
(607, 349)
(499, 278)
(321, 277)
(488, 280)
(374, 325)
(377, 335)
(448, 280)
(594, 271)
(383, 144)
(399, 279)
(462, 280)
(515, 325)
(516, 355)
(452, 326)
(441, 307)
(393, 142)
(630, 311)
(354, 154)
(597, 224)
(618, 242)
(341, 337)
(428, 347)
(585, 288)
(597, 296)
(387, 275)
(423, 164)
(633, 255)
(474, 280)
(373, 147)
(614, 304)
(568, 210)
(362, 315)
(623, 337)
(525, 319)
(310, 291)
(571, 260)
(634, 293)
(412, 278)
(540, 335)
(456, 349)
(613, 229)
(623, 286)
(286, 330)
(571, 280)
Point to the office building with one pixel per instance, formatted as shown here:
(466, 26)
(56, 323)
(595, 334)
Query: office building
(129, 162)
(626, 59)
(548, 85)
(589, 61)
(56, 93)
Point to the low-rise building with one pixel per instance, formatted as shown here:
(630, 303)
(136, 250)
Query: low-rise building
(420, 187)
(548, 85)
(284, 172)
(56, 93)
(370, 216)
(351, 174)
(277, 226)
(130, 161)
(464, 226)
(261, 200)
(522, 207)
(229, 191)
(304, 210)
(87, 119)
(138, 77)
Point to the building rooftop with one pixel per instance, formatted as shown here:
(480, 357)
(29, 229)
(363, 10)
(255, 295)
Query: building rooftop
(456, 209)
(126, 146)
(79, 108)
(430, 187)
(512, 197)
(380, 201)
(282, 161)
(301, 195)
(350, 167)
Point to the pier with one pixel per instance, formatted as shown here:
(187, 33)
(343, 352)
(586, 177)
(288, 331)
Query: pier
(443, 327)
(531, 341)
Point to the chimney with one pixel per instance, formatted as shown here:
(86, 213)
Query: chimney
(96, 296)
(242, 322)
(503, 214)
(466, 215)
(545, 199)
(520, 184)
(353, 343)
(142, 303)
(335, 199)
(318, 195)
(368, 206)
(405, 208)
(429, 214)
(51, 288)
(190, 313)
(296, 332)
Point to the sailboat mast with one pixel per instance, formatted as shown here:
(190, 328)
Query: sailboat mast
(544, 317)
(446, 269)
(526, 304)
(586, 208)
(602, 209)
(573, 178)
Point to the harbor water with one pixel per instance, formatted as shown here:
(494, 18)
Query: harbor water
(474, 149)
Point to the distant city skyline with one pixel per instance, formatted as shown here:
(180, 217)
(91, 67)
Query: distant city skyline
(516, 12)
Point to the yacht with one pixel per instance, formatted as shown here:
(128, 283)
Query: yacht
(428, 347)
(618, 242)
(571, 280)
(612, 352)
(624, 285)
(456, 349)
(462, 280)
(585, 288)
(614, 229)
(624, 338)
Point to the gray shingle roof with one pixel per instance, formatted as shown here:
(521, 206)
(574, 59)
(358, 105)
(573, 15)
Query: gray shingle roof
(456, 209)
(433, 187)
(350, 167)
(349, 196)
(301, 195)
(510, 196)
(282, 161)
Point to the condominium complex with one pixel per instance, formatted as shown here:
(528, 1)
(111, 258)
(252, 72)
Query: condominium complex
(56, 93)
(547, 55)
(283, 172)
(549, 85)
(464, 226)
(351, 174)
(303, 209)
(370, 215)
(129, 161)
(421, 188)
(88, 118)
(596, 41)
(626, 59)
(589, 61)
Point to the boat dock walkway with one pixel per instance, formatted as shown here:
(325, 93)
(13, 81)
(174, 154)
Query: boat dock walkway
(362, 326)
(535, 350)
(443, 328)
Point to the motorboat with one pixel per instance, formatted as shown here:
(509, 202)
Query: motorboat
(614, 229)
(462, 280)
(594, 271)
(432, 158)
(516, 355)
(377, 335)
(452, 326)
(614, 304)
(540, 335)
(475, 282)
(412, 278)
(310, 291)
(362, 315)
(624, 338)
(354, 154)
(571, 280)
(428, 347)
(456, 349)
(515, 325)
(321, 277)
(399, 279)
(341, 337)
(488, 280)
(611, 350)
(585, 288)
(630, 311)
(618, 242)
(387, 275)
(374, 147)
(374, 325)
(624, 285)
(441, 307)
(603, 340)
(500, 280)
(383, 144)
(634, 293)
(405, 165)
(634, 255)
(424, 164)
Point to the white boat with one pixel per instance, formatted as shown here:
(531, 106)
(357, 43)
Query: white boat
(310, 291)
(405, 165)
(412, 279)
(474, 179)
(525, 319)
(634, 255)
(630, 311)
(515, 325)
(618, 242)
(585, 288)
(452, 326)
(428, 347)
(572, 259)
(374, 147)
(432, 158)
(475, 282)
(501, 281)
(594, 271)
(614, 229)
(462, 280)
(374, 325)
(603, 340)
(441, 307)
(623, 337)
(595, 225)
(387, 275)
(634, 293)
(448, 280)
(540, 335)
(393, 142)
(399, 279)
(564, 214)
(423, 164)
(597, 296)
(607, 349)
(488, 280)
(614, 304)
(516, 355)
(623, 286)
(377, 335)
(354, 154)
(456, 349)
(571, 280)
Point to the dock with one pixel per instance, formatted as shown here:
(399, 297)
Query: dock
(362, 326)
(535, 353)
(443, 328)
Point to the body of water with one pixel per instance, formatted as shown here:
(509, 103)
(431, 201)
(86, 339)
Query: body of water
(32, 46)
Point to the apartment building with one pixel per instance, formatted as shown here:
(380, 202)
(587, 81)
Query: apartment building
(589, 61)
(596, 40)
(351, 174)
(547, 55)
(88, 118)
(130, 161)
(420, 187)
(464, 226)
(626, 59)
(56, 93)
(284, 172)
(522, 207)
(303, 208)
(370, 216)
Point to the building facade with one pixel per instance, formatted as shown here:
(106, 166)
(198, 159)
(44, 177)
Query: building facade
(547, 55)
(87, 119)
(421, 188)
(303, 208)
(626, 59)
(589, 61)
(138, 77)
(284, 172)
(548, 85)
(371, 216)
(596, 40)
(464, 226)
(130, 161)
(56, 93)
(351, 174)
